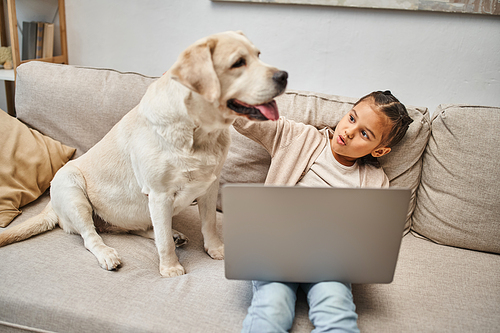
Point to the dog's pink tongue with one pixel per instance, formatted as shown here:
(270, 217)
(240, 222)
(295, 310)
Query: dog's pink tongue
(269, 110)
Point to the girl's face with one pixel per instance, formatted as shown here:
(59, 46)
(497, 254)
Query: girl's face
(360, 132)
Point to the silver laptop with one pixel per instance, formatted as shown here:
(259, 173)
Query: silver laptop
(312, 234)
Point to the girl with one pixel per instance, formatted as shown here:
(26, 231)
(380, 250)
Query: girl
(343, 157)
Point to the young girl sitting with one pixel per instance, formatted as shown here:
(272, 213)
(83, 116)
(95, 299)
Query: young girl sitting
(343, 157)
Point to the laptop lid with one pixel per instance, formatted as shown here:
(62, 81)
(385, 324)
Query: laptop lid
(312, 234)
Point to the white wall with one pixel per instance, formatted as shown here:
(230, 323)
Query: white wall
(424, 58)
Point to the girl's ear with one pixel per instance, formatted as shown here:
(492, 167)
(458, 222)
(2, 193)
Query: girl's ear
(379, 152)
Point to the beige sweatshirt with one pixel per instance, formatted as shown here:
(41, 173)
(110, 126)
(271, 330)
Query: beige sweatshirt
(294, 147)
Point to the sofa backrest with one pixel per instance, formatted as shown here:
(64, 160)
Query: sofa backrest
(248, 162)
(75, 105)
(459, 200)
(78, 106)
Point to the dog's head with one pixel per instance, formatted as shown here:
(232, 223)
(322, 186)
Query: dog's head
(225, 69)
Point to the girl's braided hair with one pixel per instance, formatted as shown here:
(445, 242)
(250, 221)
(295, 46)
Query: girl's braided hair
(385, 102)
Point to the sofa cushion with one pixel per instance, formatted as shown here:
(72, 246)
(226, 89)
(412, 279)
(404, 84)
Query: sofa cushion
(29, 162)
(458, 199)
(70, 292)
(249, 162)
(435, 289)
(93, 100)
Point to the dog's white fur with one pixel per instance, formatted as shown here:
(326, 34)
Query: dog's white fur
(161, 156)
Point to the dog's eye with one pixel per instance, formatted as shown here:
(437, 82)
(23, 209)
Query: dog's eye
(240, 63)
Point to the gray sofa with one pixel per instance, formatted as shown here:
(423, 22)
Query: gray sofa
(448, 273)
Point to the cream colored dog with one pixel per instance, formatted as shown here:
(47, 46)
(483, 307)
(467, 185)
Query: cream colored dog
(163, 154)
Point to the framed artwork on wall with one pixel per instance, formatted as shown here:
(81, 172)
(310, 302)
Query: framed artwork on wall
(488, 7)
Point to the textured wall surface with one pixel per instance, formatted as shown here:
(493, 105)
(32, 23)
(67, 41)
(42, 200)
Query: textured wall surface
(425, 58)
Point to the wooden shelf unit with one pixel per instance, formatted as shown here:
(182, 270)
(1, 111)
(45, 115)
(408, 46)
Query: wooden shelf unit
(7, 75)
(16, 55)
(11, 26)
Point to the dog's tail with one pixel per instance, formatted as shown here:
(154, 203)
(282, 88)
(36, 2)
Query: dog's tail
(45, 221)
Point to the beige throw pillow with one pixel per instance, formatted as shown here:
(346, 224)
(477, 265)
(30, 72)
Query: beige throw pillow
(28, 162)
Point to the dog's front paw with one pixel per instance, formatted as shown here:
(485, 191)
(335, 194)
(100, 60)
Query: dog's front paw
(172, 271)
(108, 258)
(216, 253)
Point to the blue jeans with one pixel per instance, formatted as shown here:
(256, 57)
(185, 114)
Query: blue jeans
(331, 307)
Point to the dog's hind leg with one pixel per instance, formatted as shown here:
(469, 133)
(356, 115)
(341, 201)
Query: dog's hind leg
(71, 203)
(102, 227)
(179, 238)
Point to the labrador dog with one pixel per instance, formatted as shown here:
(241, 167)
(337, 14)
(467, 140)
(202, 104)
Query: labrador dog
(165, 153)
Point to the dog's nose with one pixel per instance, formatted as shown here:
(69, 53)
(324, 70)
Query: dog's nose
(280, 77)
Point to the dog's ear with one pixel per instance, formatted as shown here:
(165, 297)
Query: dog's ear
(195, 70)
